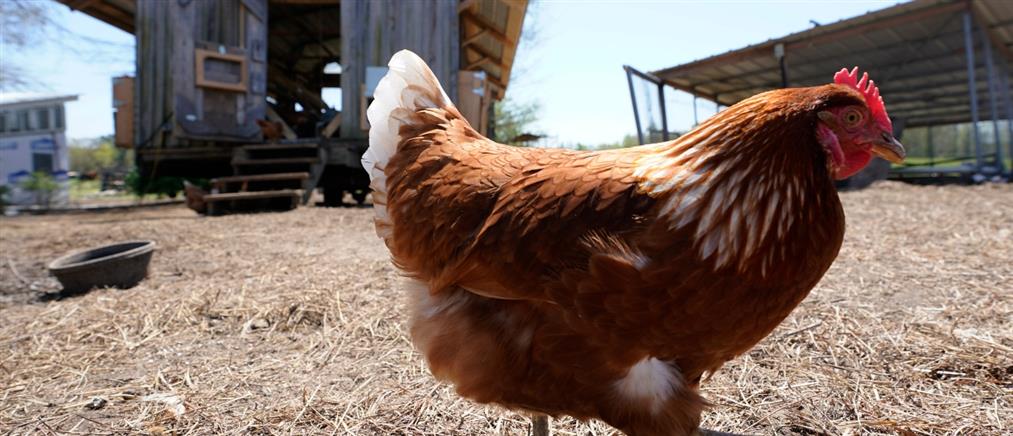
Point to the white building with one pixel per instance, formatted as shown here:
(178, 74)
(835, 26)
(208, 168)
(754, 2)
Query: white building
(32, 139)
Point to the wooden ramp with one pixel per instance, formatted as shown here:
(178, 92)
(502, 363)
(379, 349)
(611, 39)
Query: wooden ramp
(268, 177)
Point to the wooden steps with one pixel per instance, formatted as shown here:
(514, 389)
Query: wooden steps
(273, 176)
(258, 182)
(279, 146)
(276, 161)
(251, 201)
(261, 178)
(253, 195)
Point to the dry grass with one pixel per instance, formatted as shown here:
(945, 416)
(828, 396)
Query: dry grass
(291, 323)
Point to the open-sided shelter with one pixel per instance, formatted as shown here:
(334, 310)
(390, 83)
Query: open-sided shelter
(936, 62)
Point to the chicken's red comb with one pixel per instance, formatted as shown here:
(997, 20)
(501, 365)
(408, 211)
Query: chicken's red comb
(869, 90)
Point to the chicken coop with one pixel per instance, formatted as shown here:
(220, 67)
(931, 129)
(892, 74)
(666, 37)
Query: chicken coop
(208, 71)
(942, 66)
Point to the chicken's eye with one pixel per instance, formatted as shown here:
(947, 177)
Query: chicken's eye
(852, 117)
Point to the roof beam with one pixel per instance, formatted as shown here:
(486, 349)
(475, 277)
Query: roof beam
(117, 17)
(495, 81)
(884, 89)
(945, 101)
(481, 60)
(488, 76)
(473, 38)
(932, 94)
(922, 87)
(490, 28)
(80, 4)
(309, 99)
(317, 38)
(939, 120)
(109, 13)
(484, 53)
(465, 5)
(944, 110)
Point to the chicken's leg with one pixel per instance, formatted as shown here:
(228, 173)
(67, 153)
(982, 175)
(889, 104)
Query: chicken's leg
(539, 425)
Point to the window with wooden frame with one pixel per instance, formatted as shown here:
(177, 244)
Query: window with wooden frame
(221, 71)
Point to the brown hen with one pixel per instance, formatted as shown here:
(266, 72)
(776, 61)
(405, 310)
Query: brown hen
(606, 284)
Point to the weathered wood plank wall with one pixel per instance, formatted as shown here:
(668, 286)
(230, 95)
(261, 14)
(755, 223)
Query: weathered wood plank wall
(172, 110)
(372, 31)
(154, 79)
(228, 27)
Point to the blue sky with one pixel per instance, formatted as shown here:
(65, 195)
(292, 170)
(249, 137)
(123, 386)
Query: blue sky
(573, 67)
(63, 63)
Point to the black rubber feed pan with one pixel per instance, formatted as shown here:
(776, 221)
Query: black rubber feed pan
(121, 265)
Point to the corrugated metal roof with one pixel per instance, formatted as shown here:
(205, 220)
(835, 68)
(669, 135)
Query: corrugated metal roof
(914, 51)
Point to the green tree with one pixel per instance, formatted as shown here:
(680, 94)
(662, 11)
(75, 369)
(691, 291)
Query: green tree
(98, 156)
(511, 119)
(4, 190)
(628, 141)
(42, 185)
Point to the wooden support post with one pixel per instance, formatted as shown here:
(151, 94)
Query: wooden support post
(993, 104)
(972, 90)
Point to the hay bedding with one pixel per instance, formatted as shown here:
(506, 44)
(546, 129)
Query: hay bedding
(291, 323)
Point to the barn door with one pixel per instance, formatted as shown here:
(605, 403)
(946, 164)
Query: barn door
(220, 68)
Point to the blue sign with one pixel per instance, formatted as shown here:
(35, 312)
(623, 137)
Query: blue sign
(43, 144)
(15, 178)
(10, 145)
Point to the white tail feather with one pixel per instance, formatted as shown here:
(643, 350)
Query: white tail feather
(399, 89)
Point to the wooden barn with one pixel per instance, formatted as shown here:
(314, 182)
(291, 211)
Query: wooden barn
(268, 97)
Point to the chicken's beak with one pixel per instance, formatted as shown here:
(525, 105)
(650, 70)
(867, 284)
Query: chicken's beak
(889, 148)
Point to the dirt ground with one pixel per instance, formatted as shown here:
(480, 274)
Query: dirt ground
(292, 323)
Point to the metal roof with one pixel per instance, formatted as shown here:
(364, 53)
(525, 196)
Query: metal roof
(915, 52)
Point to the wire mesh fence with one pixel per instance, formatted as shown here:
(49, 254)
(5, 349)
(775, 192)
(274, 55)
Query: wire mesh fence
(953, 145)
